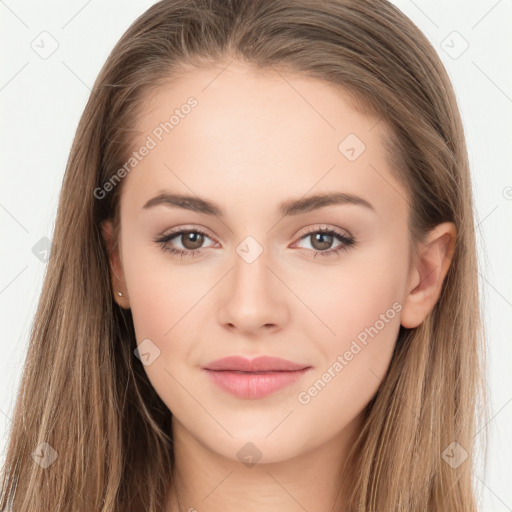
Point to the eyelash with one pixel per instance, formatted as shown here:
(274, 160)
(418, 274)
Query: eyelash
(348, 242)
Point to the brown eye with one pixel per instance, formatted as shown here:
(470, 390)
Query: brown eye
(191, 240)
(321, 241)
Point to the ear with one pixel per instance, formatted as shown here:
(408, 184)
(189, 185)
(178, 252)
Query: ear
(427, 276)
(116, 269)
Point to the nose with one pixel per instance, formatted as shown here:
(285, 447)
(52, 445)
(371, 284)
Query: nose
(253, 300)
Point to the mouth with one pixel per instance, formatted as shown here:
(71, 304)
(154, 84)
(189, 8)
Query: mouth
(256, 378)
(262, 364)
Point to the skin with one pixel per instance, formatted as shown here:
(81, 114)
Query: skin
(253, 141)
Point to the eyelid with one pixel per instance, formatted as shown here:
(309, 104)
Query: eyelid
(302, 233)
(315, 228)
(187, 227)
(346, 239)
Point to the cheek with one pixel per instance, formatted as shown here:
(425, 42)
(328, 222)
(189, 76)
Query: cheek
(160, 291)
(359, 306)
(162, 301)
(354, 297)
(364, 313)
(151, 300)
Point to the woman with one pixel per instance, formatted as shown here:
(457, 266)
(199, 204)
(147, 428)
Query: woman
(262, 292)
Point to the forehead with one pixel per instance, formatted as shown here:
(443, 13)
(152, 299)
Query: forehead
(261, 131)
(236, 96)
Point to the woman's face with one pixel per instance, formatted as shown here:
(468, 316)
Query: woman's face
(250, 149)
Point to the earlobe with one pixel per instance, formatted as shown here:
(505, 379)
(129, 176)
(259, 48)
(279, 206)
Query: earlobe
(427, 277)
(116, 271)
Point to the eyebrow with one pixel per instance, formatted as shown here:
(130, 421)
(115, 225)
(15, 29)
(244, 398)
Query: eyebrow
(286, 208)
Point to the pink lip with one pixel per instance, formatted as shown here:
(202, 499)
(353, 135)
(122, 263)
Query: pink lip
(254, 378)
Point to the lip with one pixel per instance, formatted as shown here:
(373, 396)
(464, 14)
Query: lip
(254, 378)
(258, 364)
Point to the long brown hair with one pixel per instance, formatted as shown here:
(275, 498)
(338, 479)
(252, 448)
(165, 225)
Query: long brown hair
(85, 394)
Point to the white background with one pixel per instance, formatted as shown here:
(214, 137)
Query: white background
(42, 99)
